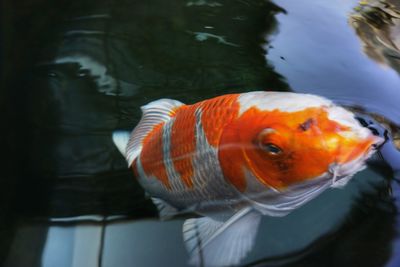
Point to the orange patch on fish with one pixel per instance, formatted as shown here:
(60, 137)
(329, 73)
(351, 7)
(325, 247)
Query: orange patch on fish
(152, 157)
(183, 143)
(353, 150)
(216, 113)
(303, 136)
(231, 159)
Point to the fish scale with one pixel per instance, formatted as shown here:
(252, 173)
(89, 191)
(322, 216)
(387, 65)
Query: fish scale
(174, 178)
(208, 181)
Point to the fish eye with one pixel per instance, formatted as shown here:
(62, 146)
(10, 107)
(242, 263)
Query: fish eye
(272, 149)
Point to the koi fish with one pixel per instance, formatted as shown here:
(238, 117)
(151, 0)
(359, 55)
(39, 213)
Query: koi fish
(237, 157)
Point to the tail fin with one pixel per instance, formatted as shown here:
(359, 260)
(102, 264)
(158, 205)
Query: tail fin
(154, 113)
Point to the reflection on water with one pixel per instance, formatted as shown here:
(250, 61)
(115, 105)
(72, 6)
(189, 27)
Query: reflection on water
(322, 55)
(91, 65)
(377, 23)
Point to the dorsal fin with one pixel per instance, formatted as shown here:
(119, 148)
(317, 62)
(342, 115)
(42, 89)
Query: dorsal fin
(153, 113)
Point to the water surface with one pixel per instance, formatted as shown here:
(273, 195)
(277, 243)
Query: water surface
(91, 65)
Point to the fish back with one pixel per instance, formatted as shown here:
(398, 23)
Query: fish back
(179, 161)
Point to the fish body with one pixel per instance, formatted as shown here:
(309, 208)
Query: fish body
(236, 157)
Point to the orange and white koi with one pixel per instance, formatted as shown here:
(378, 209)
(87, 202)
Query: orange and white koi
(237, 157)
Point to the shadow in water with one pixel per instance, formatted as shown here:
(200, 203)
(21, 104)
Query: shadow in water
(103, 64)
(365, 239)
(79, 70)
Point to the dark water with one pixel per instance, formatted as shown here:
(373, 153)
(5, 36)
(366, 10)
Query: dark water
(73, 72)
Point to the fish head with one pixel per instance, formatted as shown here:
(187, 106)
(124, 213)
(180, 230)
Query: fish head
(285, 148)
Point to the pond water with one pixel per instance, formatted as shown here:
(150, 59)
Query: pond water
(78, 71)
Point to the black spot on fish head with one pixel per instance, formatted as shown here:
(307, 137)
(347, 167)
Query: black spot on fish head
(307, 124)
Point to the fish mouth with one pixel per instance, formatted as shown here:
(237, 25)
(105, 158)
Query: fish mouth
(342, 172)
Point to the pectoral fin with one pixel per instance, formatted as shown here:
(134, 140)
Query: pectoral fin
(165, 210)
(215, 243)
